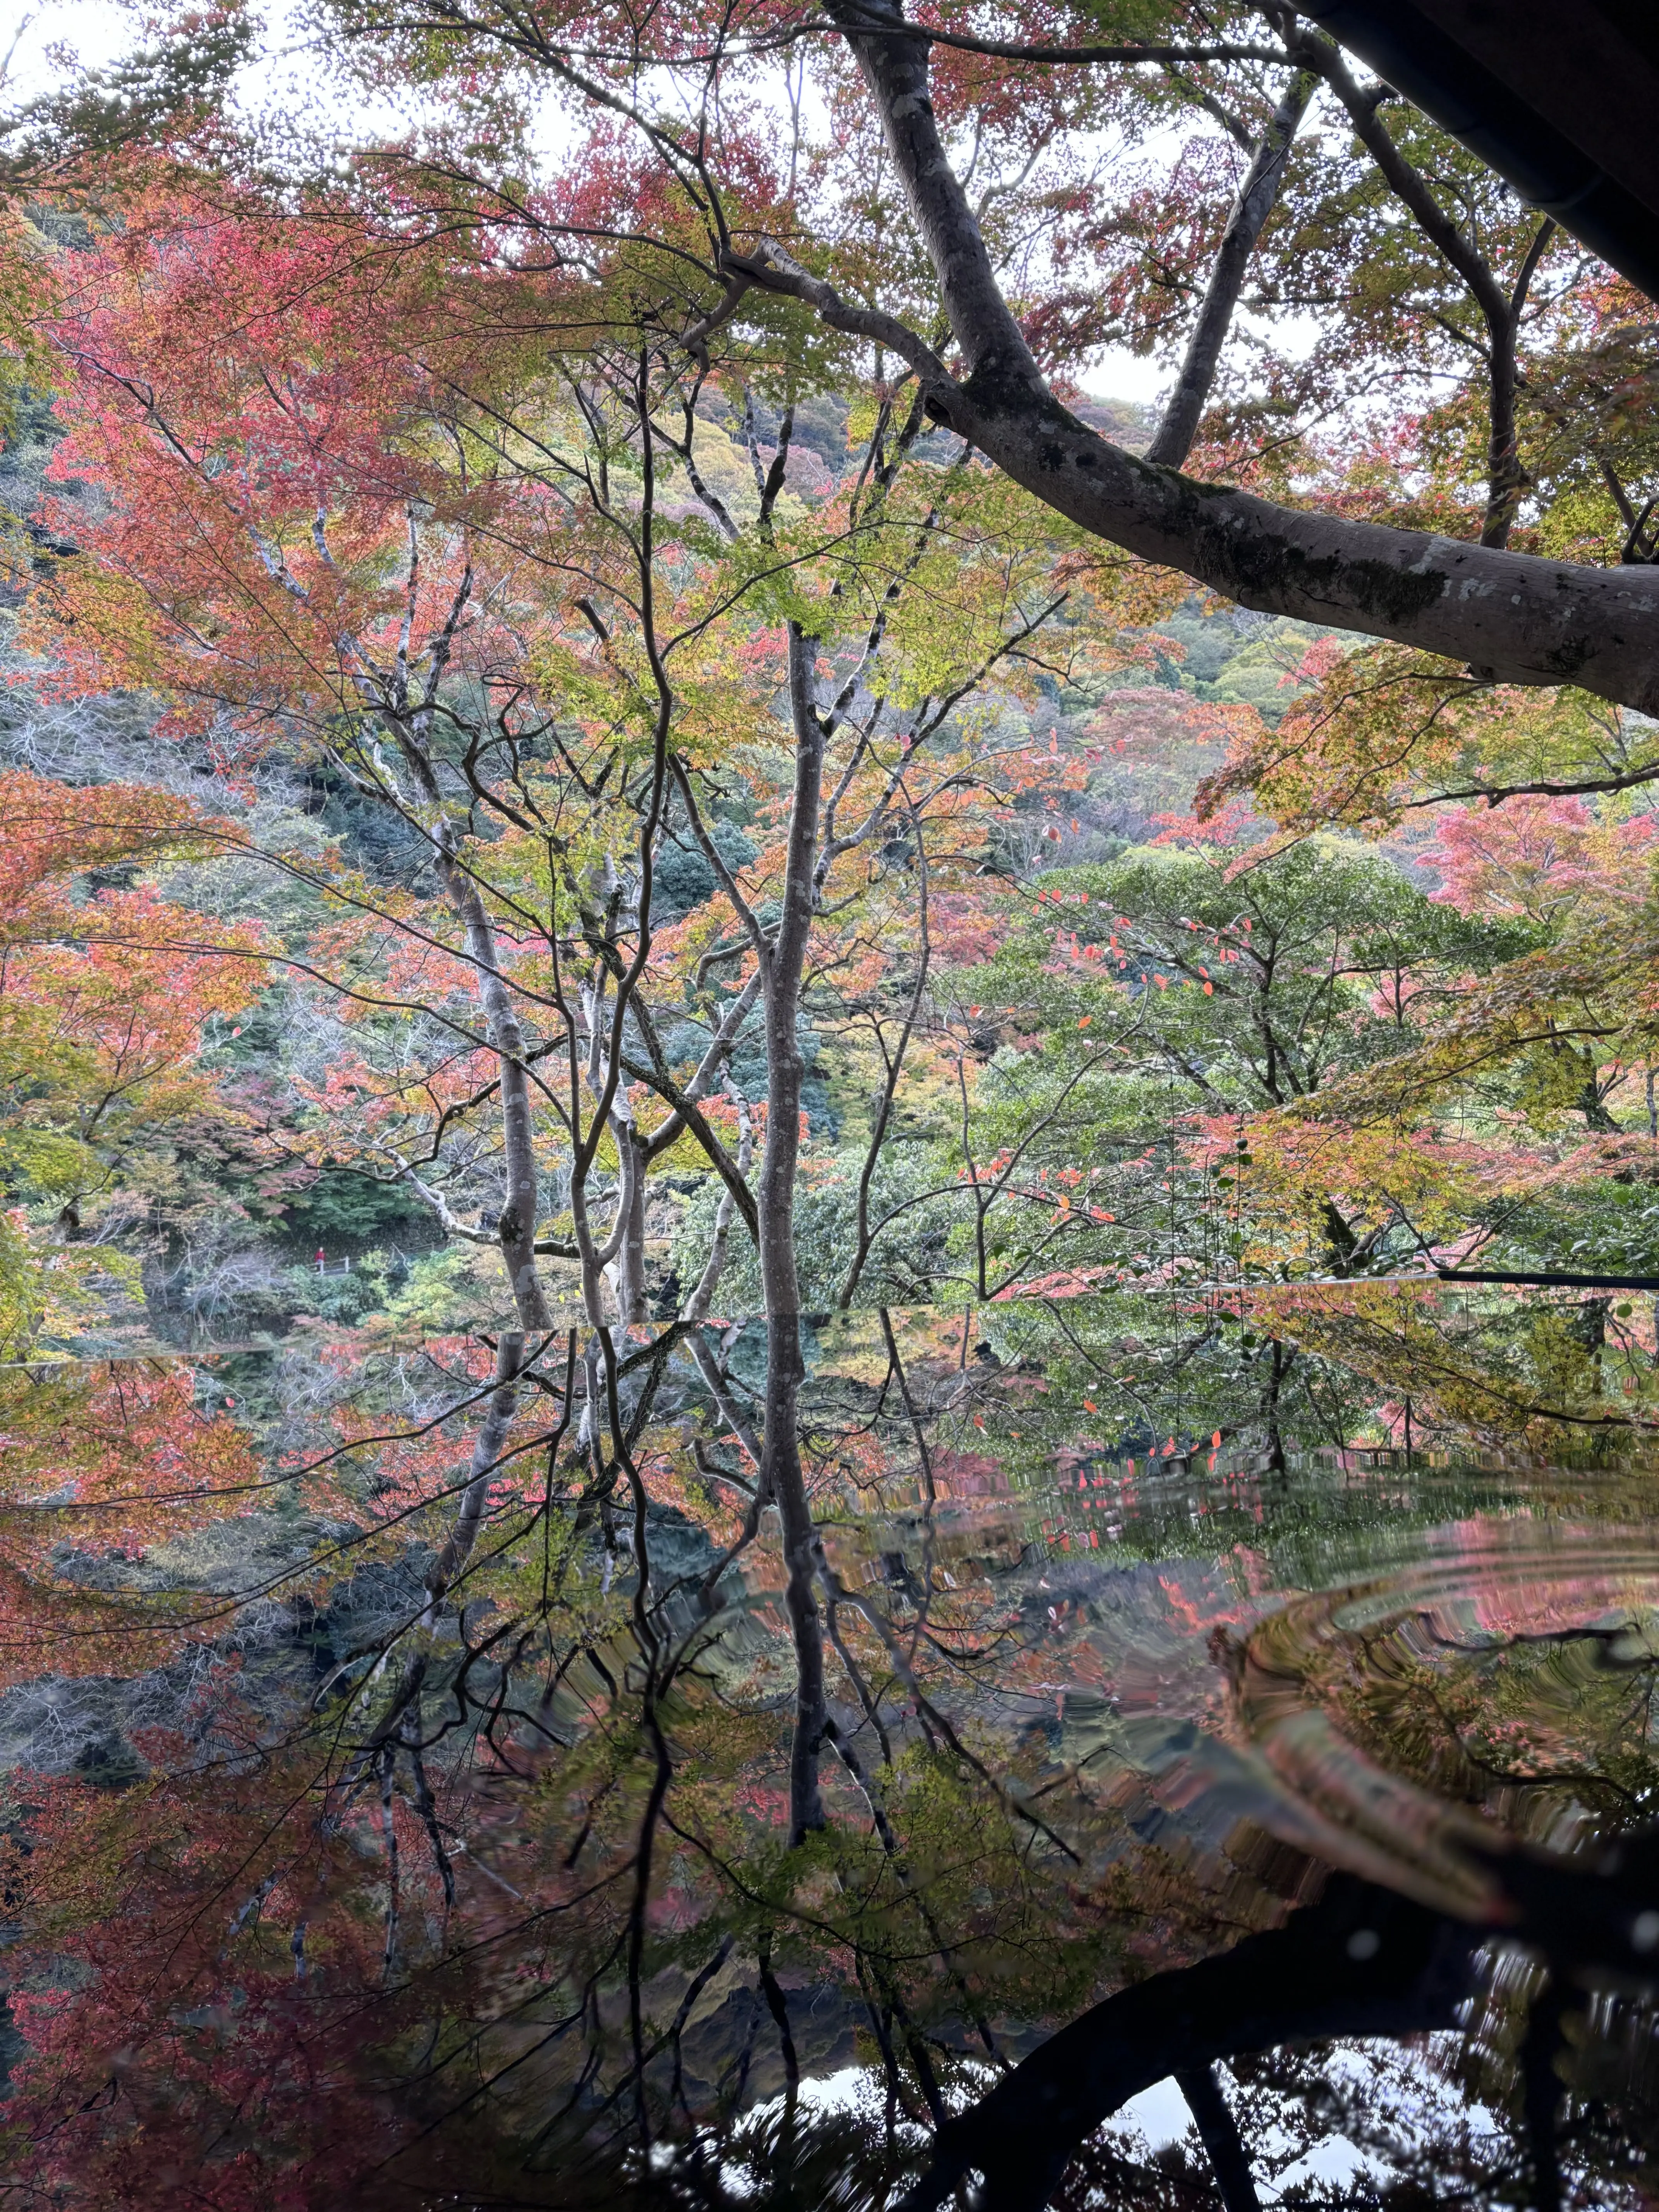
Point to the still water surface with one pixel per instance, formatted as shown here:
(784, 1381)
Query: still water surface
(1214, 1819)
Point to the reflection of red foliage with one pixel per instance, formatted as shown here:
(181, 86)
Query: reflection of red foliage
(153, 2047)
(969, 1474)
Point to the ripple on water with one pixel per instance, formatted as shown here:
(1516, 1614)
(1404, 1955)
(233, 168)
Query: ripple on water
(1418, 1700)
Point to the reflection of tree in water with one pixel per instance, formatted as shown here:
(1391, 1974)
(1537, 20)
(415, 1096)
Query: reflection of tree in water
(1565, 1717)
(466, 1865)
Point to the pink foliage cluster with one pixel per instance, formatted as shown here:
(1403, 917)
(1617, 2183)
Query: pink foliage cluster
(1535, 855)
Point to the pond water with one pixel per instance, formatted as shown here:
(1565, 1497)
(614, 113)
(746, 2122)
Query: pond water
(406, 1802)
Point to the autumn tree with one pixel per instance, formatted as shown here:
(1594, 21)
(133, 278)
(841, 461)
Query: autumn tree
(974, 269)
(491, 588)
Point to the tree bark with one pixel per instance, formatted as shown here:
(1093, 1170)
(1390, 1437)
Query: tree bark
(628, 1269)
(781, 1475)
(1254, 202)
(1506, 479)
(1528, 619)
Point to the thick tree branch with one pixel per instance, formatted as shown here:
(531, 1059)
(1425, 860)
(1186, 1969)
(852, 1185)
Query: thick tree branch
(1529, 619)
(1251, 207)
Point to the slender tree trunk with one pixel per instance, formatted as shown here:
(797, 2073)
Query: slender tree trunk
(450, 1561)
(488, 1447)
(516, 1226)
(1505, 478)
(627, 1270)
(619, 1259)
(516, 1223)
(1254, 202)
(1279, 1368)
(863, 1236)
(781, 1475)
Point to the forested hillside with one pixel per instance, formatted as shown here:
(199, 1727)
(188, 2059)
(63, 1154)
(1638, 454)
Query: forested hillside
(328, 758)
(267, 1184)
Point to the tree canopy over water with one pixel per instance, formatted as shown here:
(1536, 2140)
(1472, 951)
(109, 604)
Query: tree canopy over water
(831, 1180)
